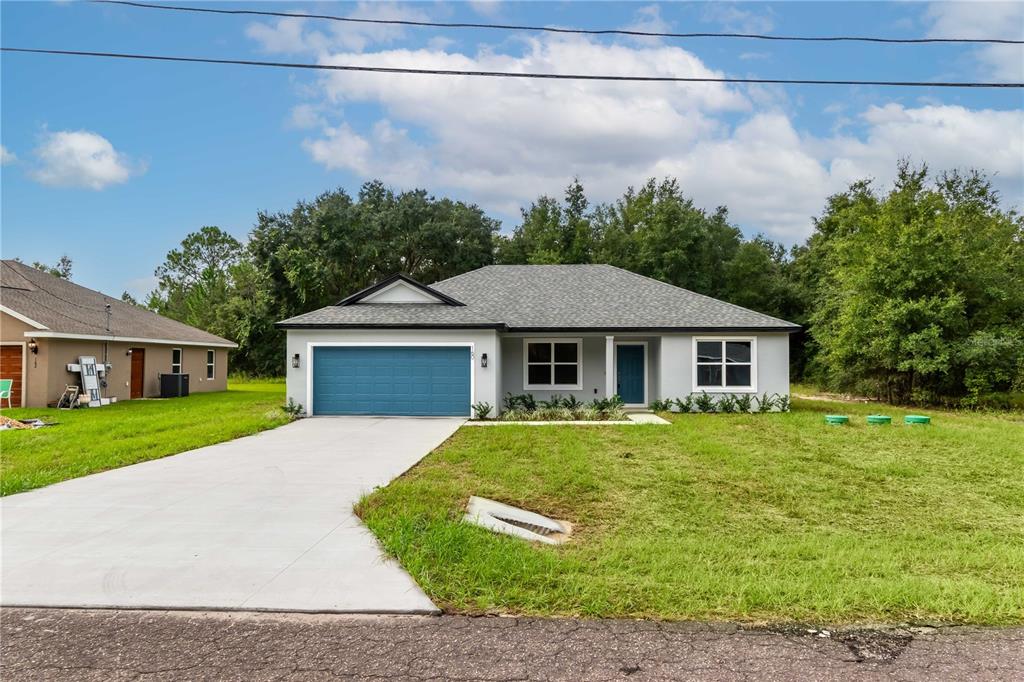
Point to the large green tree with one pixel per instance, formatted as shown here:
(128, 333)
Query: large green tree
(194, 281)
(551, 232)
(919, 293)
(324, 249)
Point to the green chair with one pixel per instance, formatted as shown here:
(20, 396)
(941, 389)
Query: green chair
(5, 391)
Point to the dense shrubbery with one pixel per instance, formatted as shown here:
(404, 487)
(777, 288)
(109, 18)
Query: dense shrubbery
(524, 407)
(726, 403)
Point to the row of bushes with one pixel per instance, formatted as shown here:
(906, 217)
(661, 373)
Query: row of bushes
(726, 403)
(524, 407)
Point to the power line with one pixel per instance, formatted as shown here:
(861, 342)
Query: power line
(554, 29)
(512, 74)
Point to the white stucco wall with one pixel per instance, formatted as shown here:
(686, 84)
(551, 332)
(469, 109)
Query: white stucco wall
(485, 380)
(669, 367)
(594, 373)
(676, 367)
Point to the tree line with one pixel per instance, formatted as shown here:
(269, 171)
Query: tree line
(912, 294)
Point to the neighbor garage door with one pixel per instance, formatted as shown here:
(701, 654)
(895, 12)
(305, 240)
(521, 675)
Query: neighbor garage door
(407, 380)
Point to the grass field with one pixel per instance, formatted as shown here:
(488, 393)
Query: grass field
(89, 440)
(771, 518)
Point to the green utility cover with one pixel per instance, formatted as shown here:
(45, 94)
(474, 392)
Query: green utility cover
(836, 418)
(879, 419)
(917, 419)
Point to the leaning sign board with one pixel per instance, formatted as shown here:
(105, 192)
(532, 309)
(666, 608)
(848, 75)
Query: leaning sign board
(91, 375)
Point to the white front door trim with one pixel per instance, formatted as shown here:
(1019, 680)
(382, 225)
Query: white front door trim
(615, 369)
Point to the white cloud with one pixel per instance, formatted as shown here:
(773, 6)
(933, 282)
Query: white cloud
(486, 8)
(300, 35)
(1004, 20)
(306, 116)
(81, 159)
(649, 19)
(502, 142)
(944, 136)
(6, 156)
(734, 19)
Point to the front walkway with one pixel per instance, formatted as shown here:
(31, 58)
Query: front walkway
(263, 522)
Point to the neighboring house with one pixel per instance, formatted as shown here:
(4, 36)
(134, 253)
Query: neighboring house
(589, 331)
(47, 322)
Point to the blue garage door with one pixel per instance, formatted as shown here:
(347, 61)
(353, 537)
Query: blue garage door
(419, 381)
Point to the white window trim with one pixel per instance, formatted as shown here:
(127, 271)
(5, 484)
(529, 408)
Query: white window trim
(310, 345)
(211, 364)
(180, 363)
(615, 370)
(725, 389)
(527, 386)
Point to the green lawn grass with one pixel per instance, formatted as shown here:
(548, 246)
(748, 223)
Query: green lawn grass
(767, 518)
(88, 440)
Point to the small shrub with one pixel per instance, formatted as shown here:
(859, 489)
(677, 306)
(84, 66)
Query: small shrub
(685, 405)
(523, 402)
(704, 402)
(727, 404)
(571, 403)
(782, 402)
(515, 415)
(481, 410)
(608, 408)
(765, 403)
(293, 409)
(744, 402)
(573, 407)
(552, 403)
(661, 405)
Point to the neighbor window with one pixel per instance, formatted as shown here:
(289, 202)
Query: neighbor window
(175, 361)
(724, 364)
(211, 357)
(553, 363)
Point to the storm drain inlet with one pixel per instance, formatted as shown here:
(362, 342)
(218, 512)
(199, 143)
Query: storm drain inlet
(509, 520)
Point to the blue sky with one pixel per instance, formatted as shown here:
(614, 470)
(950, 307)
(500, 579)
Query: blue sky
(113, 162)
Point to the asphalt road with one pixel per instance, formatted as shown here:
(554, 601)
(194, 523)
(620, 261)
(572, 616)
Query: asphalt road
(59, 644)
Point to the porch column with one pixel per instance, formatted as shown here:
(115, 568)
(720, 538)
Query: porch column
(609, 366)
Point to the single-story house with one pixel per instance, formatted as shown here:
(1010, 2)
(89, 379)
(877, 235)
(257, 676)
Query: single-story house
(590, 331)
(47, 323)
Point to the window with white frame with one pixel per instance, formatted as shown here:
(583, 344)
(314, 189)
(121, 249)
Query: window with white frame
(175, 361)
(553, 363)
(211, 359)
(725, 364)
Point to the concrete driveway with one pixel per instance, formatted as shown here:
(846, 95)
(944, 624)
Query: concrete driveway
(263, 522)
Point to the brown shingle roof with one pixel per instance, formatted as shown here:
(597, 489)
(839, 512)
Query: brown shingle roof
(64, 307)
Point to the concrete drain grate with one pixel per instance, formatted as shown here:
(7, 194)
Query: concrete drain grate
(509, 520)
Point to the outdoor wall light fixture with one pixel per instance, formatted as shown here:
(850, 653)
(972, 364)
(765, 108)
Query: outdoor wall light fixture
(128, 352)
(33, 347)
(483, 359)
(295, 361)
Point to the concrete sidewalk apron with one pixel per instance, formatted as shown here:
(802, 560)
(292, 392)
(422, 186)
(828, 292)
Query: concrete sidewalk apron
(262, 522)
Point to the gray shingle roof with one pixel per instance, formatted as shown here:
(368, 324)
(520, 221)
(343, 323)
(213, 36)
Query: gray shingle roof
(393, 315)
(67, 308)
(537, 297)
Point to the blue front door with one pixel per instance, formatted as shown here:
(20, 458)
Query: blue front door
(391, 380)
(630, 370)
